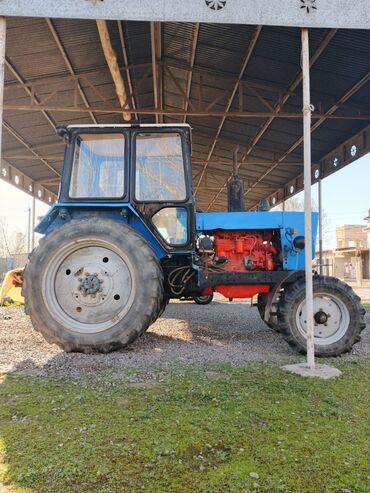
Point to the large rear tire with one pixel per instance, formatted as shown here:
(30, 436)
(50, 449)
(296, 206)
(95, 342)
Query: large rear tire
(338, 316)
(92, 284)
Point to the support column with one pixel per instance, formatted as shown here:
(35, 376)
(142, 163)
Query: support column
(33, 218)
(307, 108)
(2, 65)
(29, 231)
(321, 267)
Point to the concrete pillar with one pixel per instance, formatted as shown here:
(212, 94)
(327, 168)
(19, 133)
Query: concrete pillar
(359, 270)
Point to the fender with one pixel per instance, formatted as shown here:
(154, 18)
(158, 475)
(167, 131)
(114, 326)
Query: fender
(291, 276)
(61, 213)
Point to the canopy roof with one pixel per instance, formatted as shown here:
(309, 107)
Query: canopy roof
(234, 84)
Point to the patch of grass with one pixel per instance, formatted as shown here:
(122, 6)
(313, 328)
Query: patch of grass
(11, 304)
(202, 430)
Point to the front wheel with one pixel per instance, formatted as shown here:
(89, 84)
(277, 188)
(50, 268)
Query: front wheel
(338, 316)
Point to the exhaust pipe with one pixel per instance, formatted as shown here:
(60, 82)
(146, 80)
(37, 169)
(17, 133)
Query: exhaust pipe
(235, 188)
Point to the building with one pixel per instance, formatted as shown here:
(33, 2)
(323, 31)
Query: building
(350, 259)
(368, 230)
(351, 236)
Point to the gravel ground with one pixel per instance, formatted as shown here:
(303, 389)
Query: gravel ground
(186, 334)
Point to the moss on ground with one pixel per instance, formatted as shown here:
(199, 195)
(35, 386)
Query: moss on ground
(213, 429)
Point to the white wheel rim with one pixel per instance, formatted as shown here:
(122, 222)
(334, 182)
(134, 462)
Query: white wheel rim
(88, 286)
(337, 317)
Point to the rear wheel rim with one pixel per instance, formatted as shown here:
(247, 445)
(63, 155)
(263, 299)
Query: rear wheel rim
(331, 322)
(89, 286)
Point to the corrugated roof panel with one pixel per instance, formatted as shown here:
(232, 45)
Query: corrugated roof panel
(220, 49)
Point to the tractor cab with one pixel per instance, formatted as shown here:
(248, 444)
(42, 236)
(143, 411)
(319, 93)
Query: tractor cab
(147, 167)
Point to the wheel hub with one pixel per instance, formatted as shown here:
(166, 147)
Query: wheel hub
(90, 285)
(331, 318)
(321, 317)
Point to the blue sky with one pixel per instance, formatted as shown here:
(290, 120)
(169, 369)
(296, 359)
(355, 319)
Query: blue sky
(346, 199)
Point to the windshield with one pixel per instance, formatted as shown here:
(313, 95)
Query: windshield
(98, 166)
(160, 174)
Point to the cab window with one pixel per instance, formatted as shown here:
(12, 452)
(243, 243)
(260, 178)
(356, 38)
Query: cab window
(172, 224)
(160, 174)
(98, 166)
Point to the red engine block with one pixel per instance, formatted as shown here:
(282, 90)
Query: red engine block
(244, 250)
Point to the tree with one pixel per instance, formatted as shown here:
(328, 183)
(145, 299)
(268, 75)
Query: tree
(11, 242)
(296, 204)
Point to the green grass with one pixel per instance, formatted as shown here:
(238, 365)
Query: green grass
(200, 430)
(10, 304)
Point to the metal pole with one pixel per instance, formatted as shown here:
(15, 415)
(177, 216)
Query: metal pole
(33, 222)
(29, 231)
(321, 266)
(2, 64)
(307, 196)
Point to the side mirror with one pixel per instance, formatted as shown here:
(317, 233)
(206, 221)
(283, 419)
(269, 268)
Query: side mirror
(299, 242)
(62, 132)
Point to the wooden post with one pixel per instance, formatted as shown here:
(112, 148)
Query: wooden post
(307, 109)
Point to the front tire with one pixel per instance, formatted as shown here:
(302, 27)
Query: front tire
(338, 316)
(92, 284)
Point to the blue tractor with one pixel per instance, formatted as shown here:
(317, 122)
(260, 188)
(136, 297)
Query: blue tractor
(124, 238)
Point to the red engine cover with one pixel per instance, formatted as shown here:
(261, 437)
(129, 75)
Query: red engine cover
(245, 250)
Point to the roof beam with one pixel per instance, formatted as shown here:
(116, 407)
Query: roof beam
(111, 59)
(23, 181)
(243, 68)
(329, 164)
(127, 67)
(179, 112)
(350, 92)
(279, 106)
(156, 49)
(346, 14)
(23, 83)
(191, 65)
(55, 35)
(20, 139)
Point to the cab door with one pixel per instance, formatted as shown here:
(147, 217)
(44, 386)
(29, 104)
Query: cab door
(162, 184)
